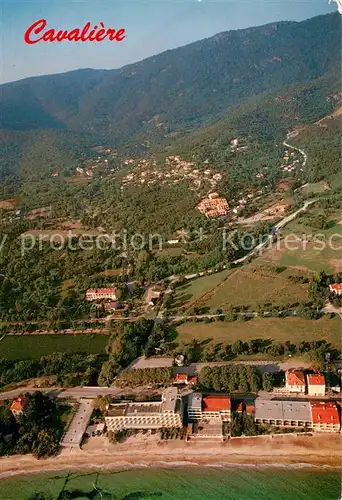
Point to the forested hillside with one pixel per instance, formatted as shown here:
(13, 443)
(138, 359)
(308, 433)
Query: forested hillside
(179, 88)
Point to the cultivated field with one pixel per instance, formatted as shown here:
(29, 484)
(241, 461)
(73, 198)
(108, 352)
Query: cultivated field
(16, 347)
(279, 329)
(252, 285)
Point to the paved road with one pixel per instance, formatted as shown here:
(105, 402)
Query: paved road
(263, 365)
(305, 158)
(329, 308)
(78, 425)
(73, 392)
(279, 225)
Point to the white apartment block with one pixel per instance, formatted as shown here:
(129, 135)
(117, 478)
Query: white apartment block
(147, 415)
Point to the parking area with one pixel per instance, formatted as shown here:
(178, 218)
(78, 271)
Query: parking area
(152, 362)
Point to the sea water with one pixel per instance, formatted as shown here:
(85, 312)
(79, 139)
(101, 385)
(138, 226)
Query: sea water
(178, 483)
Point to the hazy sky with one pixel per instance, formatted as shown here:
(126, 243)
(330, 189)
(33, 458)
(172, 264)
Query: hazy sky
(152, 26)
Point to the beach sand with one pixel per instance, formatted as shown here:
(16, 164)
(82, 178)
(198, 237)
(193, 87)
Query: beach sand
(98, 453)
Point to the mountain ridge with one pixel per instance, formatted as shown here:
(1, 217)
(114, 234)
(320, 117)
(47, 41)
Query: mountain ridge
(180, 87)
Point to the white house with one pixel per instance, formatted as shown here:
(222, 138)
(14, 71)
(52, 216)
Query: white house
(316, 384)
(295, 381)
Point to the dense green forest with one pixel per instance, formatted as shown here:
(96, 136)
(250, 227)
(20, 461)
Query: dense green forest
(38, 430)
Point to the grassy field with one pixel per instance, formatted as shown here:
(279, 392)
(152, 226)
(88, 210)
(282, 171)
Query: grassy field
(309, 254)
(189, 293)
(278, 329)
(251, 285)
(15, 347)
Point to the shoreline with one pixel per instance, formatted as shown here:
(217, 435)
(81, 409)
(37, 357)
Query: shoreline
(130, 466)
(321, 452)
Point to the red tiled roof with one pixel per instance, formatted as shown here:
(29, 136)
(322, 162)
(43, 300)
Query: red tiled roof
(316, 379)
(193, 380)
(250, 409)
(324, 412)
(216, 403)
(181, 377)
(336, 286)
(295, 378)
(18, 404)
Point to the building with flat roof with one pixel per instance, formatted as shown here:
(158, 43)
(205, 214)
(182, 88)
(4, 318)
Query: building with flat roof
(283, 413)
(194, 406)
(295, 381)
(147, 415)
(316, 384)
(325, 416)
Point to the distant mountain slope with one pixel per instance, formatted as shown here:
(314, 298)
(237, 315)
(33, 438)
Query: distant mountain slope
(268, 116)
(179, 88)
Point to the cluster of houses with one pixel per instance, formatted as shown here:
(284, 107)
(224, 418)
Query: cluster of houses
(183, 378)
(211, 411)
(213, 205)
(290, 163)
(312, 384)
(175, 170)
(90, 165)
(240, 204)
(206, 414)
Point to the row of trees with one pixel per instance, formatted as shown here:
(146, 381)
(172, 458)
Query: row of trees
(68, 369)
(202, 351)
(242, 424)
(145, 376)
(124, 346)
(231, 378)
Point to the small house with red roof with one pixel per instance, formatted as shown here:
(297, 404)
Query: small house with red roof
(18, 406)
(295, 381)
(180, 378)
(325, 417)
(316, 384)
(336, 288)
